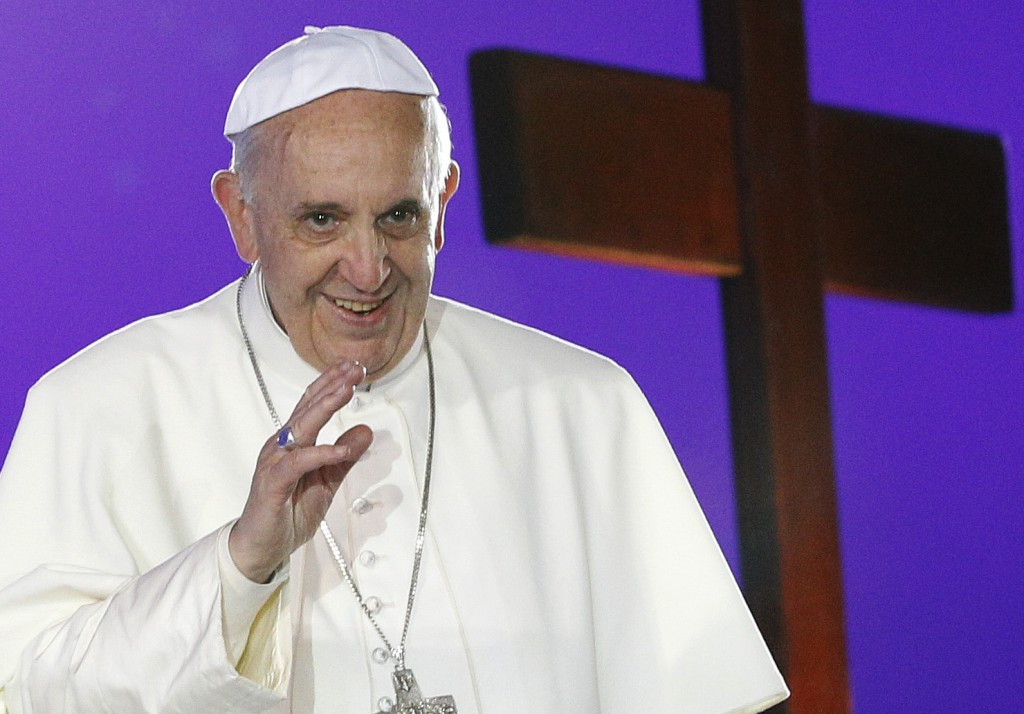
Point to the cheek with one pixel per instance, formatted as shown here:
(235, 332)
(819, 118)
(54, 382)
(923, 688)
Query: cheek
(289, 288)
(293, 270)
(431, 260)
(416, 261)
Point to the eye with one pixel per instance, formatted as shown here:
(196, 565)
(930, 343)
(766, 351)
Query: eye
(400, 220)
(399, 214)
(319, 220)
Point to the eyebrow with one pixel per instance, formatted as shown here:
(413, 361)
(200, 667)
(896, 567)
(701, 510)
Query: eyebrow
(408, 204)
(325, 206)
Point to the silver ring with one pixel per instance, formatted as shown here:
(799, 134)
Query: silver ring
(285, 438)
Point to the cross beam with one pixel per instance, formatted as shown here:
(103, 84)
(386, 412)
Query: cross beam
(905, 210)
(743, 178)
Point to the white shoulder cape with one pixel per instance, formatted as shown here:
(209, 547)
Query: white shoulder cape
(568, 562)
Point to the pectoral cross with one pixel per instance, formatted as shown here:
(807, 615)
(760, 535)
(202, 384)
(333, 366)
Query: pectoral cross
(411, 701)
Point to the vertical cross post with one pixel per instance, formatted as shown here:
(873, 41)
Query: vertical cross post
(775, 349)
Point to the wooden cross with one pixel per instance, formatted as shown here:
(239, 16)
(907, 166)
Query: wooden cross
(743, 178)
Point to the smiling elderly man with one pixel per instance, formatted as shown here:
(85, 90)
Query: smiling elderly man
(449, 495)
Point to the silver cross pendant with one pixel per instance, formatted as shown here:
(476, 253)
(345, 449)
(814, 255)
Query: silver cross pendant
(410, 701)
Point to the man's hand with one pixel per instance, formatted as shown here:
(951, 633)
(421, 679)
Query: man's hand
(293, 487)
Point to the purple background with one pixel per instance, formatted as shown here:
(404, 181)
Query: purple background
(110, 130)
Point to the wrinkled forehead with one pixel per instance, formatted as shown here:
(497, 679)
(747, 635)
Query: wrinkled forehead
(345, 137)
(354, 118)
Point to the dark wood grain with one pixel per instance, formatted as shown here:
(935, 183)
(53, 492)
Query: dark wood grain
(743, 178)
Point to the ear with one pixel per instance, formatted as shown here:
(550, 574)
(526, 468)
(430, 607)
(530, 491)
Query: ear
(228, 194)
(451, 185)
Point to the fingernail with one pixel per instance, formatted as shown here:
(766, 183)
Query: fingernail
(362, 369)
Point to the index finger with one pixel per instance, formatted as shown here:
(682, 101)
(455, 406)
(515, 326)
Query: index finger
(329, 380)
(321, 401)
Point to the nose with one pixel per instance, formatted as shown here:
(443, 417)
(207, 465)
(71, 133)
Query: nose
(364, 260)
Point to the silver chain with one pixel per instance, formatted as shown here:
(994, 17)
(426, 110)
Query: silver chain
(397, 653)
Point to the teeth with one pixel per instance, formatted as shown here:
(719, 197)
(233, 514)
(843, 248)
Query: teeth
(360, 307)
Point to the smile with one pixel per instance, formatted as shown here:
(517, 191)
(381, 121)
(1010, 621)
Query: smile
(358, 307)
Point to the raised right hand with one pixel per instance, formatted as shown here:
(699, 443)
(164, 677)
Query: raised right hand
(293, 487)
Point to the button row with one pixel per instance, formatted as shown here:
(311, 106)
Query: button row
(361, 506)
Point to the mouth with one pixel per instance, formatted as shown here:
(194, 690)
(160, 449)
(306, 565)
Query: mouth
(359, 308)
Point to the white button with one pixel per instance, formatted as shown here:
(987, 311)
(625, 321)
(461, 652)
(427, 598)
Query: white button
(373, 604)
(361, 506)
(380, 655)
(368, 558)
(385, 704)
(356, 402)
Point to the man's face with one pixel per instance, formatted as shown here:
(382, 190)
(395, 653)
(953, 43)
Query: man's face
(346, 226)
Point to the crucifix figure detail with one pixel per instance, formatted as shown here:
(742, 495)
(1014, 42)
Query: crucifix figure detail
(781, 199)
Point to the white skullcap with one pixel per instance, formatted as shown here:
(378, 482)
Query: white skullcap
(322, 61)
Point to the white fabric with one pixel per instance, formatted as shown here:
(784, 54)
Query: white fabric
(567, 567)
(242, 599)
(321, 61)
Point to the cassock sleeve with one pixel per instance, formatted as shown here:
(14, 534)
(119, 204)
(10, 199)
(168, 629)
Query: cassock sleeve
(86, 632)
(250, 617)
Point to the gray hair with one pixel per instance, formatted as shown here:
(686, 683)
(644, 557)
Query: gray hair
(246, 151)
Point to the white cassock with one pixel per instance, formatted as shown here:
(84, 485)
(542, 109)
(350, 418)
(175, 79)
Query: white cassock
(567, 565)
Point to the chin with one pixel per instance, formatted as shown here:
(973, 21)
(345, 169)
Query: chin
(377, 359)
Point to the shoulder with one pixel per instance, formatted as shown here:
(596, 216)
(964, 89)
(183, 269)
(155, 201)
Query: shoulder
(509, 345)
(146, 353)
(501, 356)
